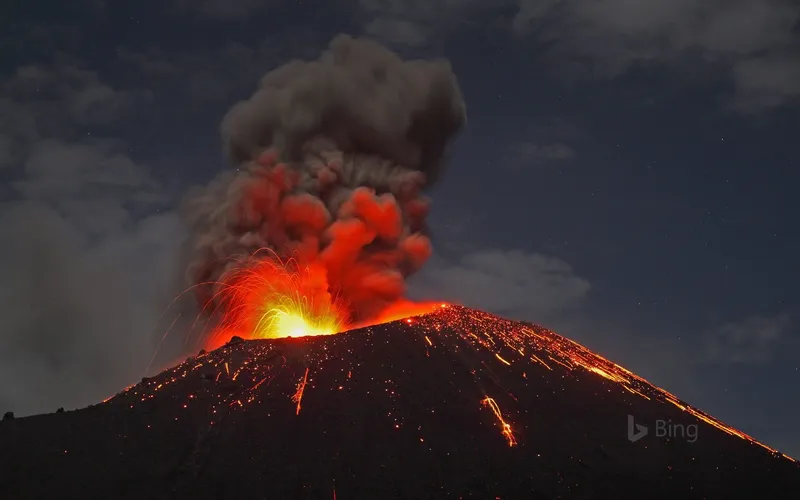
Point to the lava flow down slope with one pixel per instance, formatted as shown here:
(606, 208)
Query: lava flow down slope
(455, 403)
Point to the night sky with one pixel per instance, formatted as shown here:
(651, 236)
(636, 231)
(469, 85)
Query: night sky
(627, 178)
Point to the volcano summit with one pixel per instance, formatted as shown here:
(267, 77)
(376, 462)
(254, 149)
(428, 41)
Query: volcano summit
(455, 403)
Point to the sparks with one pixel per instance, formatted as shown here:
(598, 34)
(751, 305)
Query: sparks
(273, 299)
(266, 298)
(501, 359)
(298, 396)
(505, 426)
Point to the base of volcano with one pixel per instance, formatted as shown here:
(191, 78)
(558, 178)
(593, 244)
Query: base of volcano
(453, 404)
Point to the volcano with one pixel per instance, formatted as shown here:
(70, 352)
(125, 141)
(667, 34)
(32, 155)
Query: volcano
(455, 403)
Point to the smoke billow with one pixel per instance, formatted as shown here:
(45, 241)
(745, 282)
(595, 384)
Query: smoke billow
(332, 156)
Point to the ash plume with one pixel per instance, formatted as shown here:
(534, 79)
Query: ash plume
(331, 159)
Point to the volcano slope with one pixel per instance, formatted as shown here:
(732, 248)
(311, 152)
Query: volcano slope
(453, 404)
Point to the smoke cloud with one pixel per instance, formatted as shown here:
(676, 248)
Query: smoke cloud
(331, 160)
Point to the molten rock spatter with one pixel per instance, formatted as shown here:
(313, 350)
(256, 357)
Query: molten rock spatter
(332, 158)
(266, 298)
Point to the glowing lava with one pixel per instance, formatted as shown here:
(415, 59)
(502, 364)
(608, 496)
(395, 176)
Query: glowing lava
(504, 426)
(267, 298)
(270, 299)
(403, 309)
(298, 395)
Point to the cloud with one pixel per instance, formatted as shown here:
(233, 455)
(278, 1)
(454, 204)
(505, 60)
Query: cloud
(756, 43)
(77, 93)
(513, 283)
(217, 75)
(89, 182)
(753, 46)
(89, 257)
(76, 311)
(397, 31)
(749, 341)
(46, 117)
(84, 278)
(61, 100)
(766, 82)
(533, 155)
(414, 23)
(223, 9)
(544, 145)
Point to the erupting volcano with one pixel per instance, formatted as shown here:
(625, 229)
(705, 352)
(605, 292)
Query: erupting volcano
(344, 389)
(323, 218)
(455, 403)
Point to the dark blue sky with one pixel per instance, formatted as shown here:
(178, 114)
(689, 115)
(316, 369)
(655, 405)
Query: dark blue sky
(627, 177)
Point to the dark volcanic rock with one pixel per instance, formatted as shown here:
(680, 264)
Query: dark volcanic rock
(392, 411)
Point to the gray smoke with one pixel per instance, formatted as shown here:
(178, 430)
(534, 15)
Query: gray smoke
(331, 157)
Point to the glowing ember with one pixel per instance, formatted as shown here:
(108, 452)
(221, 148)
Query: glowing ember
(301, 387)
(505, 426)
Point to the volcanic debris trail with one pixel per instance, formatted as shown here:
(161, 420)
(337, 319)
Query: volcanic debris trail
(452, 404)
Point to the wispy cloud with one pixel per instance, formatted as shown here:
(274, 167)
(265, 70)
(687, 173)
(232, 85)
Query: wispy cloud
(755, 43)
(754, 339)
(91, 259)
(516, 283)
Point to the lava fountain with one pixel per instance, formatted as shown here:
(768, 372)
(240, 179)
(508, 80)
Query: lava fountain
(271, 299)
(268, 298)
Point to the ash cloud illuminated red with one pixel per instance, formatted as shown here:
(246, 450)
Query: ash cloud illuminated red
(324, 218)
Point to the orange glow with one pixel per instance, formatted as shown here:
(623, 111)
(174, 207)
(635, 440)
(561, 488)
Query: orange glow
(271, 299)
(267, 298)
(301, 387)
(501, 359)
(505, 426)
(402, 309)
